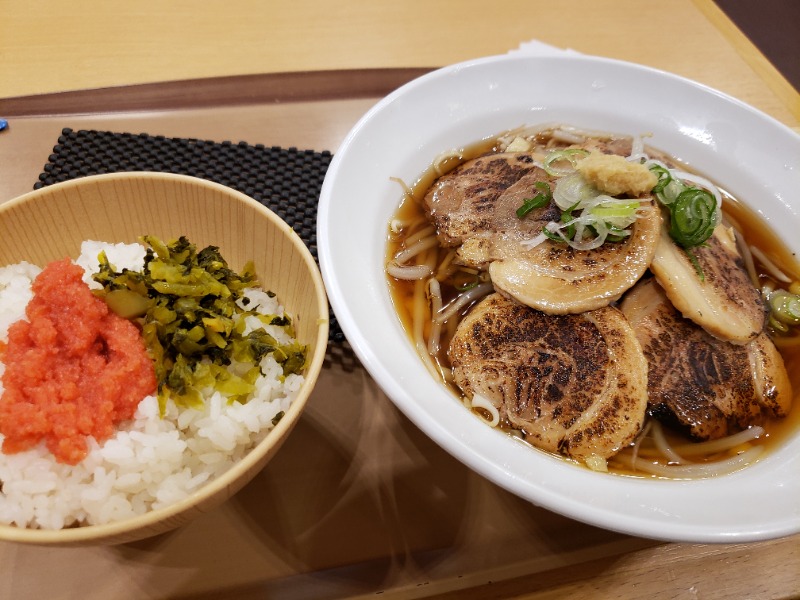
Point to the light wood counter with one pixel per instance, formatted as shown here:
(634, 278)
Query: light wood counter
(52, 47)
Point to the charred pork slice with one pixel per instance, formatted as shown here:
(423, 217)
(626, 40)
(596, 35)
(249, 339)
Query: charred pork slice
(703, 386)
(724, 302)
(574, 384)
(557, 279)
(474, 209)
(479, 200)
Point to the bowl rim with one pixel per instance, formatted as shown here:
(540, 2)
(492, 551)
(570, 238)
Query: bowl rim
(108, 531)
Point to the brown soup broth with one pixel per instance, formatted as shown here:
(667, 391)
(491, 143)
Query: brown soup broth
(404, 292)
(757, 233)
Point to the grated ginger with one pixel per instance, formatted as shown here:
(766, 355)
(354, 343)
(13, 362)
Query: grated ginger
(615, 175)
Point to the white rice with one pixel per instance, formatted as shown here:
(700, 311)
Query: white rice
(150, 462)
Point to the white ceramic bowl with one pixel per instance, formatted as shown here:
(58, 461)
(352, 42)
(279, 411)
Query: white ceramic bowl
(750, 154)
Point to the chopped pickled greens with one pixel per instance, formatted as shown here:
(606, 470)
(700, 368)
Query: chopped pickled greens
(190, 307)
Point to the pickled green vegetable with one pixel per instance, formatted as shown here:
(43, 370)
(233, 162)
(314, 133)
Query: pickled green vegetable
(188, 305)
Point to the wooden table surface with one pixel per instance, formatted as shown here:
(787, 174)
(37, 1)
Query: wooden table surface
(385, 511)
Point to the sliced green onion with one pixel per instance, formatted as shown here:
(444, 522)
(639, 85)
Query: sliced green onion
(615, 238)
(568, 220)
(589, 217)
(776, 325)
(554, 235)
(573, 189)
(605, 220)
(538, 201)
(693, 217)
(785, 307)
(464, 279)
(671, 192)
(568, 155)
(694, 212)
(617, 234)
(616, 213)
(467, 285)
(664, 177)
(668, 188)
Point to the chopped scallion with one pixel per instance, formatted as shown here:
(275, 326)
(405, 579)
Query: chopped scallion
(540, 200)
(693, 211)
(693, 217)
(785, 307)
(568, 155)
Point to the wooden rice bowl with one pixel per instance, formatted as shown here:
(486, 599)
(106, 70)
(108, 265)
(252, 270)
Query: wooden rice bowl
(50, 224)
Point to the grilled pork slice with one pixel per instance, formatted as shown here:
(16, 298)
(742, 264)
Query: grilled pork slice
(557, 279)
(706, 387)
(574, 384)
(724, 302)
(474, 209)
(478, 201)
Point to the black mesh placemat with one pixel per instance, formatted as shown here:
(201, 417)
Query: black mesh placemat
(285, 180)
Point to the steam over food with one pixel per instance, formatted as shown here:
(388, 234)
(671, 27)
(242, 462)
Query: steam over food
(510, 262)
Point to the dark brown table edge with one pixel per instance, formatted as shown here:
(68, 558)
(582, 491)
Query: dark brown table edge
(232, 90)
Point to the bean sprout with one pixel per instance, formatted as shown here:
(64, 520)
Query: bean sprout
(693, 471)
(417, 248)
(769, 266)
(406, 190)
(722, 444)
(479, 291)
(422, 233)
(408, 272)
(664, 447)
(435, 292)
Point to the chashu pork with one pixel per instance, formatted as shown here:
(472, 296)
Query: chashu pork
(725, 302)
(703, 386)
(479, 199)
(474, 210)
(574, 384)
(557, 279)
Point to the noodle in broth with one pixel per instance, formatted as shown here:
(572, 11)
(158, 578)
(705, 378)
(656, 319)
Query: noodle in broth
(432, 292)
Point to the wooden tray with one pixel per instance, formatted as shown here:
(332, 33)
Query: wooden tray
(358, 502)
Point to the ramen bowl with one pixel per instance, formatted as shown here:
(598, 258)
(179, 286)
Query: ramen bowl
(50, 224)
(751, 155)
